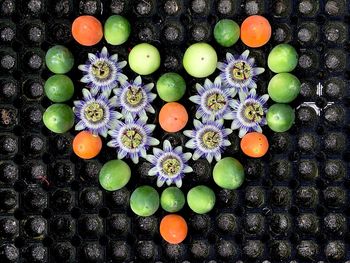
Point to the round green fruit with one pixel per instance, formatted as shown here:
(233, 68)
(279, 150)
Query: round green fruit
(144, 201)
(114, 174)
(282, 58)
(59, 88)
(280, 117)
(59, 59)
(171, 87)
(117, 30)
(228, 173)
(172, 199)
(284, 88)
(144, 59)
(59, 118)
(201, 199)
(200, 60)
(226, 32)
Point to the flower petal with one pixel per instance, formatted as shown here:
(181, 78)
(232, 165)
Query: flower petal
(80, 126)
(235, 125)
(257, 128)
(178, 182)
(195, 99)
(245, 54)
(189, 133)
(258, 71)
(169, 181)
(229, 57)
(153, 171)
(191, 144)
(187, 156)
(197, 124)
(209, 157)
(242, 132)
(160, 182)
(188, 169)
(138, 81)
(92, 57)
(217, 156)
(197, 154)
(221, 66)
(153, 141)
(167, 146)
(122, 154)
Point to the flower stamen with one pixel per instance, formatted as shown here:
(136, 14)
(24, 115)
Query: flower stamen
(254, 112)
(101, 69)
(211, 139)
(216, 101)
(94, 112)
(241, 70)
(171, 166)
(134, 95)
(131, 138)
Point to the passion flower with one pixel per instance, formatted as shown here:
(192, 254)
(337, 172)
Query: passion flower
(169, 164)
(249, 112)
(102, 72)
(96, 114)
(239, 73)
(208, 139)
(134, 99)
(213, 100)
(132, 138)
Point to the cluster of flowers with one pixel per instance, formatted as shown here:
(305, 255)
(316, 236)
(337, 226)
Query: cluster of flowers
(130, 134)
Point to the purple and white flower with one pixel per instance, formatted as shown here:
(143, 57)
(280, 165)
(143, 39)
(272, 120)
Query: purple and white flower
(213, 100)
(239, 72)
(208, 139)
(102, 72)
(134, 99)
(96, 114)
(132, 138)
(249, 112)
(169, 164)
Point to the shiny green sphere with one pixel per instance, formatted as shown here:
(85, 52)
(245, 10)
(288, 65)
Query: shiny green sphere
(201, 199)
(282, 58)
(144, 201)
(59, 118)
(200, 60)
(172, 199)
(144, 59)
(59, 88)
(280, 117)
(171, 87)
(59, 59)
(284, 88)
(226, 32)
(117, 30)
(228, 173)
(114, 175)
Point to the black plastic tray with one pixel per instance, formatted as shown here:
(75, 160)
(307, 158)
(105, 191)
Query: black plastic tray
(293, 206)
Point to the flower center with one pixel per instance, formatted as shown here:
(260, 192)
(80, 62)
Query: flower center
(94, 112)
(132, 138)
(216, 101)
(134, 95)
(101, 69)
(211, 139)
(241, 70)
(254, 112)
(171, 166)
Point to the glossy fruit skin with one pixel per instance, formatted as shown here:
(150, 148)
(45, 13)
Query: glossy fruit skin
(59, 88)
(171, 87)
(280, 117)
(172, 199)
(228, 173)
(254, 144)
(59, 59)
(173, 229)
(200, 60)
(144, 59)
(86, 145)
(117, 30)
(144, 201)
(201, 199)
(226, 32)
(255, 31)
(58, 118)
(87, 30)
(173, 117)
(282, 58)
(284, 88)
(114, 175)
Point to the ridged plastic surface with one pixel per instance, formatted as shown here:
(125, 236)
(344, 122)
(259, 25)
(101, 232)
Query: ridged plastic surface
(293, 206)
